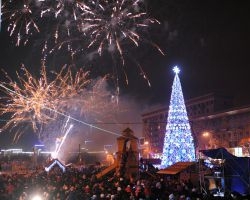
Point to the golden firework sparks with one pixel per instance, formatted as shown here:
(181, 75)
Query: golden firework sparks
(35, 100)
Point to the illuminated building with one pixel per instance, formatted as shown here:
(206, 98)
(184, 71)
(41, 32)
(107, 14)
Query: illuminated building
(214, 123)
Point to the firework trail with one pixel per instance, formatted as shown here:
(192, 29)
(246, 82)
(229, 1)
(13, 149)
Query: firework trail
(59, 138)
(63, 139)
(60, 141)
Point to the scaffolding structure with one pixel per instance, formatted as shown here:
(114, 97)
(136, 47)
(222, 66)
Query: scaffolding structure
(221, 172)
(212, 180)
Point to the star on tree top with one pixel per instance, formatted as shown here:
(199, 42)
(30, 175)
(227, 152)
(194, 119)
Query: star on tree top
(176, 70)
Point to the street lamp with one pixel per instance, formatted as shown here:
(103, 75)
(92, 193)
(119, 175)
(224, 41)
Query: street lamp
(206, 136)
(146, 148)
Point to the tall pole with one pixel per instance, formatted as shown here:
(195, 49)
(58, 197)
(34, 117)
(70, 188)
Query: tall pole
(0, 14)
(79, 154)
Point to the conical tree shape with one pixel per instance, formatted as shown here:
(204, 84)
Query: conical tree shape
(178, 142)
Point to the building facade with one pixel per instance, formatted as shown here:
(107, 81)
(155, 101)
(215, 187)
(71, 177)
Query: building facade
(214, 122)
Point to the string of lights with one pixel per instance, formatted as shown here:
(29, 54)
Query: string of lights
(119, 123)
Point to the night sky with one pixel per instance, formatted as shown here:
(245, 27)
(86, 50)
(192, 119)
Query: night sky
(208, 40)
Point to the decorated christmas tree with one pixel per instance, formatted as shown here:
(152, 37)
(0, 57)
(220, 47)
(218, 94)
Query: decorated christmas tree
(178, 142)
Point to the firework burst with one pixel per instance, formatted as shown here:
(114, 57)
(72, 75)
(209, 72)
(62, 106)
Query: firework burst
(112, 23)
(84, 28)
(79, 25)
(27, 99)
(36, 101)
(22, 19)
(64, 15)
(40, 101)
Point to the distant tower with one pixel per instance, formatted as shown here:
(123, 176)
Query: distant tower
(128, 154)
(178, 142)
(127, 158)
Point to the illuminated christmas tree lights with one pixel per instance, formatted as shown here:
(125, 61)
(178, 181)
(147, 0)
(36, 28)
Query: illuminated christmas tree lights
(178, 142)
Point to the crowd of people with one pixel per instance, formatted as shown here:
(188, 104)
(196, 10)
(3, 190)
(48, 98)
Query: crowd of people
(82, 184)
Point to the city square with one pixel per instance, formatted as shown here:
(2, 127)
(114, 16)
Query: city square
(124, 99)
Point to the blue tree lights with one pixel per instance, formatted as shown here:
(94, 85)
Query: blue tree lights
(178, 142)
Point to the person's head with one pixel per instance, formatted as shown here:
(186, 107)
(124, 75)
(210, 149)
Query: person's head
(171, 197)
(182, 197)
(119, 189)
